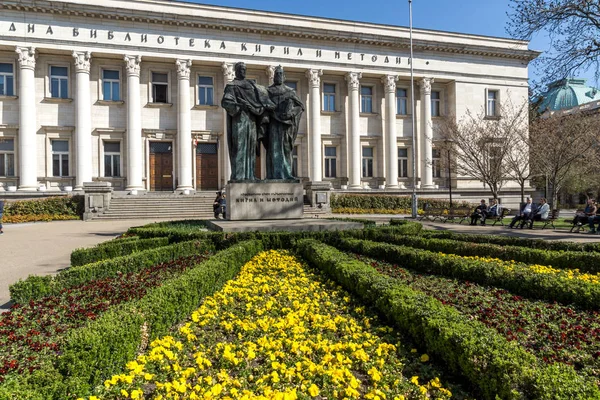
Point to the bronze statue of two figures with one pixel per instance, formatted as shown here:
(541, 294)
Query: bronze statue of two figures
(257, 114)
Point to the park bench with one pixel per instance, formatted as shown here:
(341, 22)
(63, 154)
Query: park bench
(432, 213)
(460, 213)
(553, 216)
(579, 226)
(500, 218)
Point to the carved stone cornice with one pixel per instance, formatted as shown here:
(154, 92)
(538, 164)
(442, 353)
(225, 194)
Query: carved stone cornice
(353, 79)
(228, 72)
(183, 68)
(82, 61)
(270, 71)
(132, 65)
(314, 77)
(26, 57)
(425, 85)
(389, 83)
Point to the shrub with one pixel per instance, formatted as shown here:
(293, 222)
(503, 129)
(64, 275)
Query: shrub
(64, 206)
(389, 202)
(115, 248)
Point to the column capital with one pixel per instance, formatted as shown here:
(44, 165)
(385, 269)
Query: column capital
(314, 77)
(132, 65)
(228, 72)
(82, 61)
(270, 71)
(425, 84)
(183, 68)
(26, 57)
(353, 79)
(389, 83)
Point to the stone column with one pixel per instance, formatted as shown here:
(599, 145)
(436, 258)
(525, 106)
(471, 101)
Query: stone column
(228, 76)
(426, 139)
(83, 123)
(391, 176)
(354, 151)
(184, 126)
(27, 150)
(134, 123)
(316, 157)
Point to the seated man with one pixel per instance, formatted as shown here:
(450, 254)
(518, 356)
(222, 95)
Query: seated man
(479, 212)
(526, 209)
(593, 219)
(220, 205)
(589, 211)
(541, 213)
(494, 211)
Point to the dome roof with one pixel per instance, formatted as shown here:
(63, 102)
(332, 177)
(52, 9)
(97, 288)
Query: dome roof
(567, 93)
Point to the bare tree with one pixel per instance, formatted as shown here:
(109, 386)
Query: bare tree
(480, 145)
(517, 159)
(574, 30)
(562, 147)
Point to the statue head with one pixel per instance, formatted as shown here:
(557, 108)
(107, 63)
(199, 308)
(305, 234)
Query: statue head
(279, 76)
(240, 70)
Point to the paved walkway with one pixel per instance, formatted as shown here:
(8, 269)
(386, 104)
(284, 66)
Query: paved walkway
(45, 248)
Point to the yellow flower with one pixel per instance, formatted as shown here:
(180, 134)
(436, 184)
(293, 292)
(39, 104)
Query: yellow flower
(313, 390)
(424, 358)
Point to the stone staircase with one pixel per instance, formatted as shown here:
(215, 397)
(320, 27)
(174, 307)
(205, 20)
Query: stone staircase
(160, 205)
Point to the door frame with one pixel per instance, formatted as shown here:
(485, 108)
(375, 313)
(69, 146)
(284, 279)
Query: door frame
(173, 161)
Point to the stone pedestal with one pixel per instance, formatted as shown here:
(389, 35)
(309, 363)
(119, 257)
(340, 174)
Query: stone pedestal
(319, 195)
(97, 198)
(264, 200)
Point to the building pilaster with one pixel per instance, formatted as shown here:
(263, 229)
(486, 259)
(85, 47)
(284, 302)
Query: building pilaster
(184, 125)
(354, 155)
(27, 150)
(316, 158)
(134, 123)
(391, 176)
(83, 122)
(426, 142)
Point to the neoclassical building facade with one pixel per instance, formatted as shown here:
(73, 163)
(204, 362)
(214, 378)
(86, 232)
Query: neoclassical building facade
(129, 92)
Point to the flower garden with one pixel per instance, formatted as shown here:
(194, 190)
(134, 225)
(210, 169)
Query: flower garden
(172, 311)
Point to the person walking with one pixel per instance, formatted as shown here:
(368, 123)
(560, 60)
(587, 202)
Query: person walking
(1, 212)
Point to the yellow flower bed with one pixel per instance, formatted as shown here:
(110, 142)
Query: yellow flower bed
(539, 269)
(275, 332)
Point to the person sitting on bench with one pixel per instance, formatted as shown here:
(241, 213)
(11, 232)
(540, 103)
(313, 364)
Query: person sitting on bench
(526, 209)
(494, 211)
(589, 211)
(479, 212)
(540, 213)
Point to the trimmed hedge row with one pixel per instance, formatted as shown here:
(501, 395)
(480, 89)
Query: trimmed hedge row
(35, 287)
(370, 201)
(499, 368)
(520, 280)
(582, 260)
(67, 205)
(114, 248)
(540, 244)
(95, 352)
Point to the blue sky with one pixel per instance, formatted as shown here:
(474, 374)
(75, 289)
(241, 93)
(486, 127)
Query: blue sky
(483, 17)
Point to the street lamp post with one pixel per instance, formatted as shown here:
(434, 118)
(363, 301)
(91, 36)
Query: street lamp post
(412, 93)
(448, 144)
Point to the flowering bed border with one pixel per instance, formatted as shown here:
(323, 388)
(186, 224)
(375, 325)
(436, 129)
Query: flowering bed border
(582, 260)
(496, 366)
(93, 353)
(520, 280)
(35, 287)
(115, 248)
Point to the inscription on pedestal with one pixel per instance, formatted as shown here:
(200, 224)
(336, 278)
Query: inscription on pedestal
(259, 201)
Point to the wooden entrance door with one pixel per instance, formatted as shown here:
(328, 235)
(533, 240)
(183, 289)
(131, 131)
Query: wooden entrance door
(161, 166)
(207, 166)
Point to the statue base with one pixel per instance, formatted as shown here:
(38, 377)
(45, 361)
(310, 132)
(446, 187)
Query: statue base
(263, 200)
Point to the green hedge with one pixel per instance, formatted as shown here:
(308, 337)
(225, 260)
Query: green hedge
(370, 201)
(541, 244)
(520, 280)
(64, 205)
(102, 348)
(114, 248)
(367, 223)
(35, 287)
(499, 368)
(584, 261)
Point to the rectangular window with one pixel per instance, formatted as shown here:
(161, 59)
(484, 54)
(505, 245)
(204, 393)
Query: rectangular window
(436, 163)
(401, 102)
(59, 82)
(366, 99)
(403, 163)
(328, 97)
(492, 99)
(205, 90)
(292, 84)
(112, 159)
(367, 162)
(160, 87)
(60, 158)
(330, 162)
(111, 83)
(435, 104)
(295, 161)
(7, 157)
(7, 80)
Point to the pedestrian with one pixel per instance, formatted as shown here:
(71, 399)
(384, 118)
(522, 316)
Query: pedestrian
(220, 205)
(1, 212)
